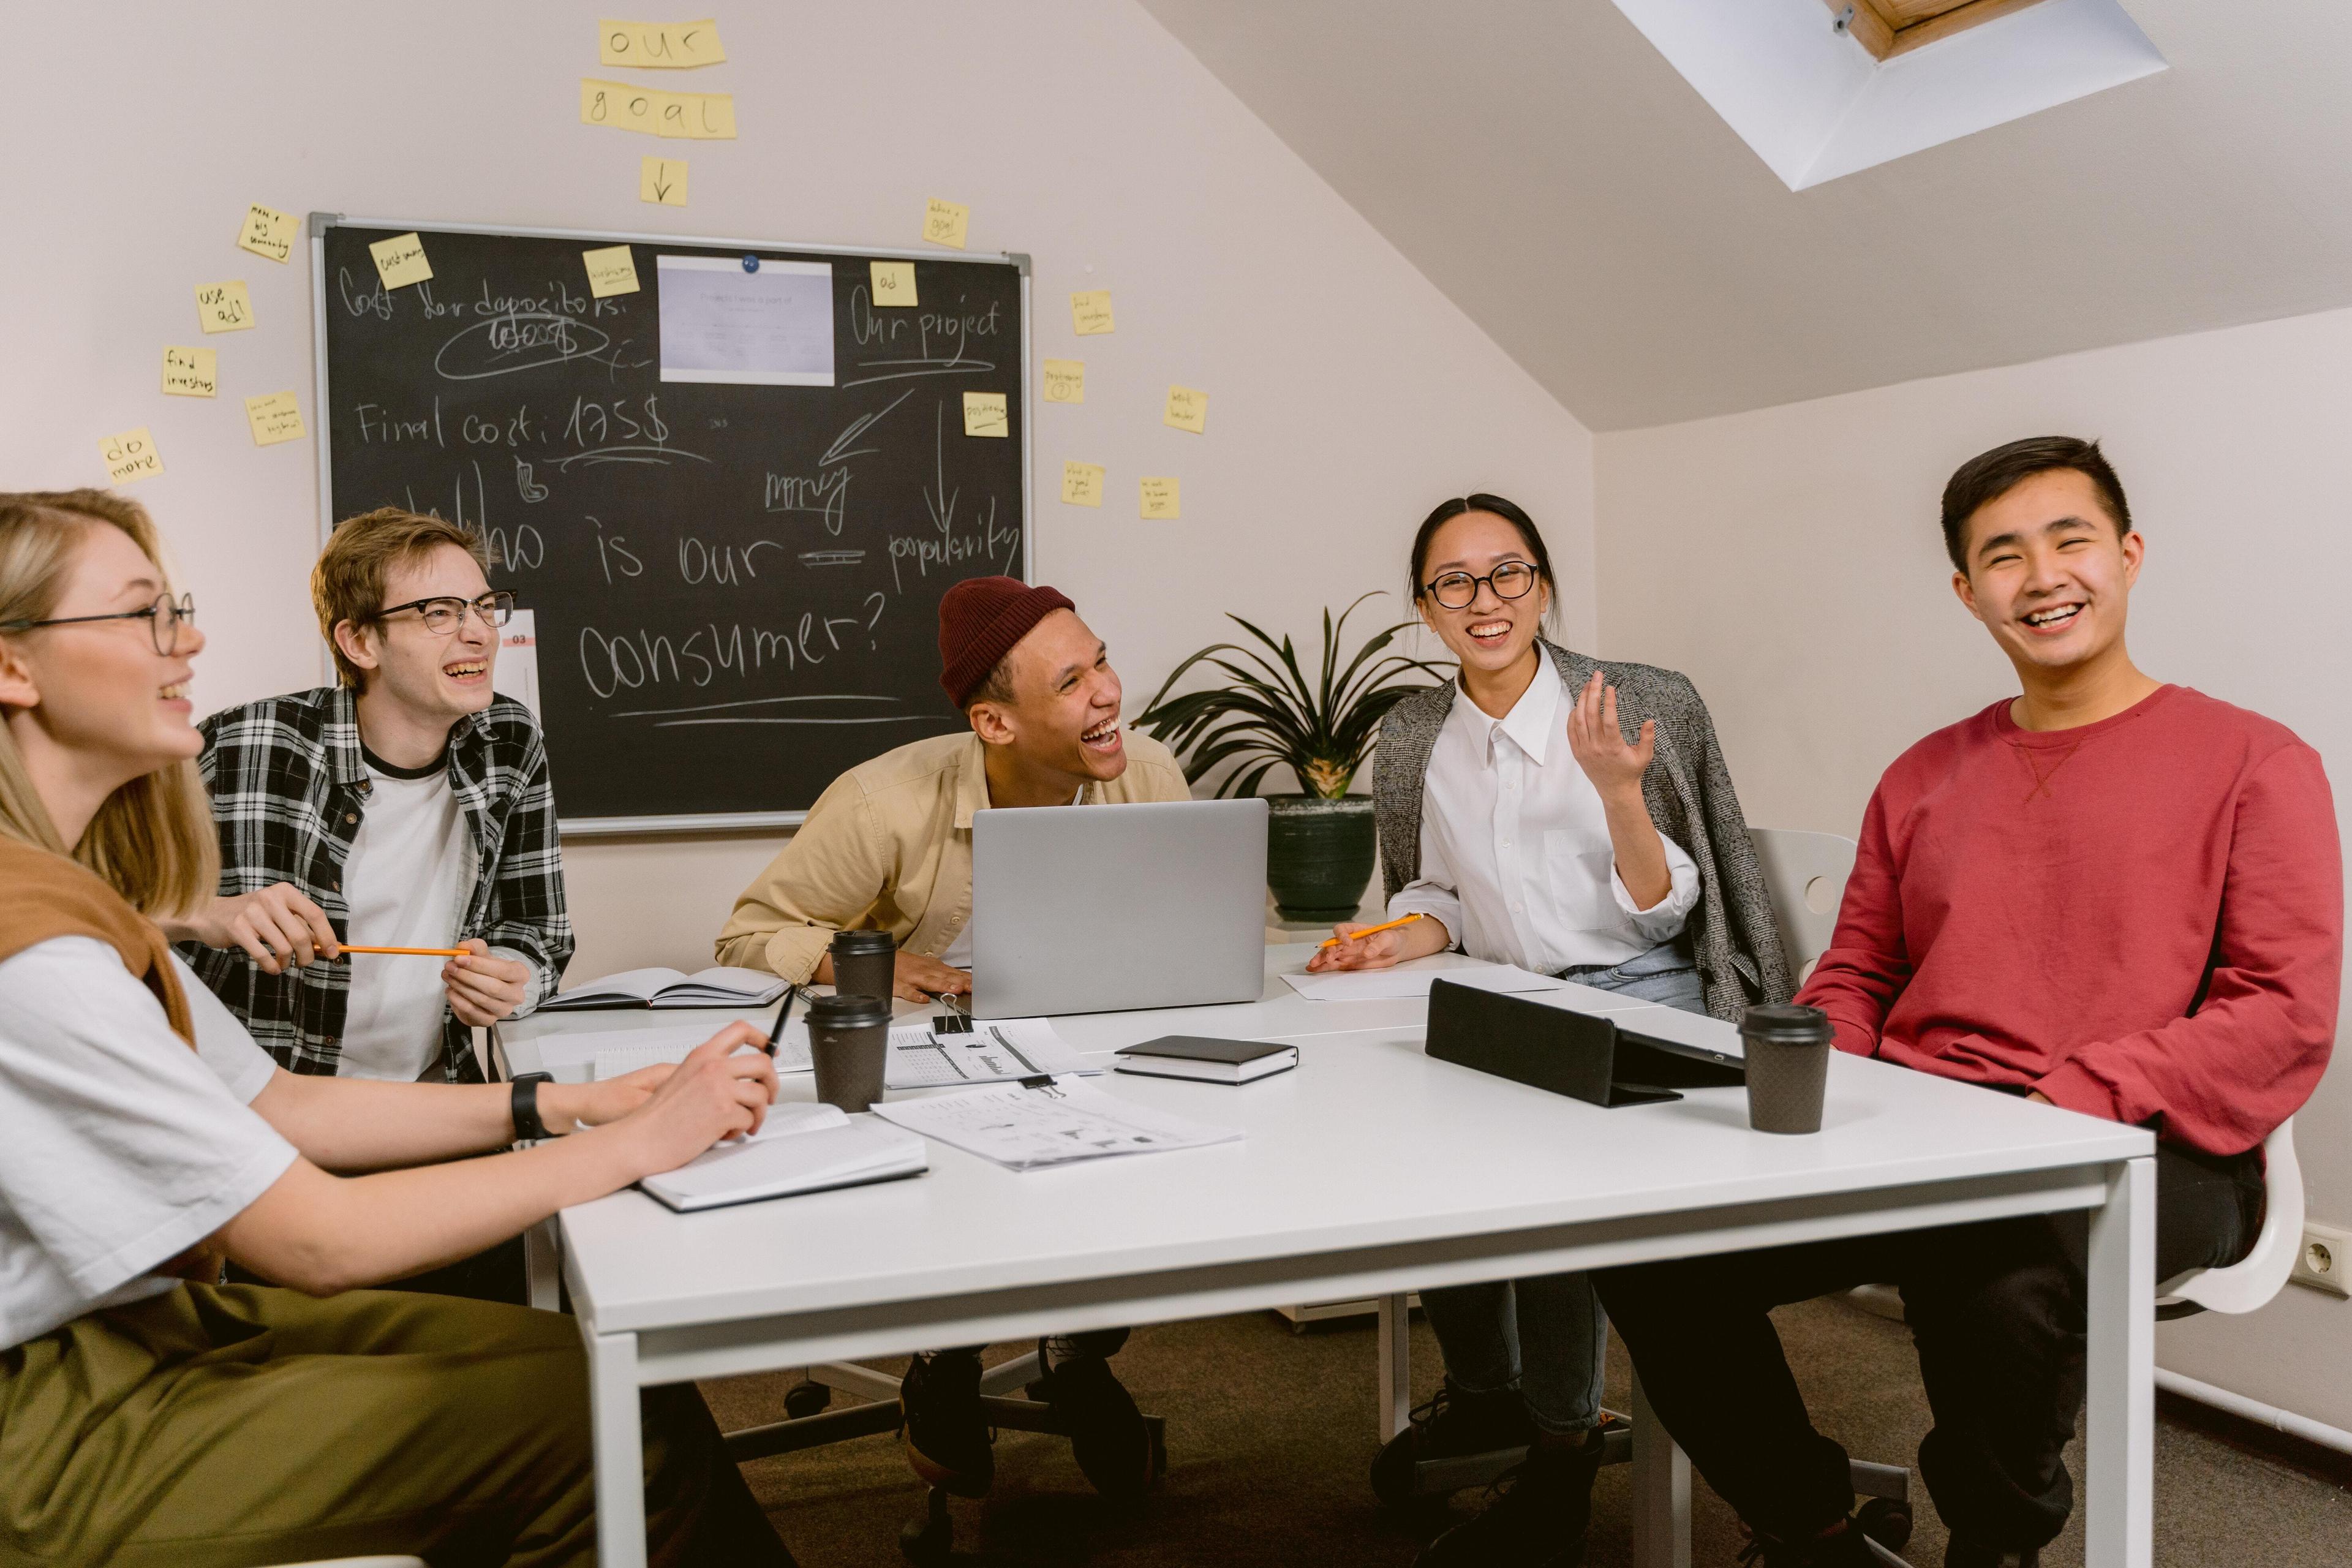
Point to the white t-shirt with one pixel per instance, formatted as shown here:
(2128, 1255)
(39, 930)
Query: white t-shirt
(120, 1148)
(410, 871)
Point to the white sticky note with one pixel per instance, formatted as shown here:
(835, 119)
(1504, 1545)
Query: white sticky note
(274, 416)
(984, 415)
(1082, 484)
(662, 181)
(944, 222)
(893, 283)
(129, 455)
(269, 232)
(1188, 409)
(188, 373)
(400, 261)
(1065, 380)
(611, 270)
(223, 306)
(1090, 312)
(1159, 499)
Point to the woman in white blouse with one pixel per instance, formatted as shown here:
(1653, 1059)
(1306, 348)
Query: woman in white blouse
(1525, 827)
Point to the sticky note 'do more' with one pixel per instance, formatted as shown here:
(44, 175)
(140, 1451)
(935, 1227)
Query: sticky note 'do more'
(223, 306)
(1188, 409)
(188, 373)
(984, 415)
(662, 181)
(611, 270)
(274, 416)
(1082, 484)
(944, 222)
(129, 455)
(400, 261)
(893, 283)
(1065, 380)
(1159, 499)
(1090, 312)
(269, 232)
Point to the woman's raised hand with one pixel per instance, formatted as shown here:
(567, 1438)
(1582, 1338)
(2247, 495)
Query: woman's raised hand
(1598, 741)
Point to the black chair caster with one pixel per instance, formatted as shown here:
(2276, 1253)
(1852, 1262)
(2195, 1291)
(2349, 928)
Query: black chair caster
(1887, 1522)
(806, 1399)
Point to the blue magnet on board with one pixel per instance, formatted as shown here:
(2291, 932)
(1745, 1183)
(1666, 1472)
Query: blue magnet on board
(750, 264)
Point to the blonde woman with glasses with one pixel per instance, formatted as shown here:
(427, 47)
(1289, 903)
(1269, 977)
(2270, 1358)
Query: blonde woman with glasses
(148, 1413)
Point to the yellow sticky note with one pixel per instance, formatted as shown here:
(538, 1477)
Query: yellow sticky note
(400, 261)
(983, 414)
(894, 283)
(712, 116)
(617, 103)
(1090, 312)
(1159, 499)
(129, 455)
(269, 232)
(1188, 409)
(275, 418)
(223, 306)
(610, 271)
(659, 46)
(1082, 484)
(662, 181)
(188, 373)
(943, 222)
(1065, 380)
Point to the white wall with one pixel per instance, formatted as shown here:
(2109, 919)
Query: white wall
(1346, 395)
(1789, 560)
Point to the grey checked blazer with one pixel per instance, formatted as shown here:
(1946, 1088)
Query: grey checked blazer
(1688, 788)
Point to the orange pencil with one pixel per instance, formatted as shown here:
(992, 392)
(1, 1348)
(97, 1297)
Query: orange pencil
(1400, 920)
(416, 952)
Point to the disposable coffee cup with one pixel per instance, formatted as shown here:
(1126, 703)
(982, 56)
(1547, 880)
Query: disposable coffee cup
(849, 1044)
(864, 963)
(1788, 1049)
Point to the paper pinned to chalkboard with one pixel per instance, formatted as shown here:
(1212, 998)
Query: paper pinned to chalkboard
(772, 327)
(516, 674)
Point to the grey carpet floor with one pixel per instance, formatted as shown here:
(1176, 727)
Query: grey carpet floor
(1270, 1432)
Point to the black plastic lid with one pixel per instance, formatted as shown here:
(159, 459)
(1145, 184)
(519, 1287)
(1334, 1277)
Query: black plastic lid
(849, 1012)
(1786, 1023)
(850, 943)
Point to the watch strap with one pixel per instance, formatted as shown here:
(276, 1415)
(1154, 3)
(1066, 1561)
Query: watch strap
(524, 1104)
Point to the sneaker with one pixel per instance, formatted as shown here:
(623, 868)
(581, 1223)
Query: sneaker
(1842, 1545)
(947, 1441)
(1533, 1517)
(1963, 1552)
(1452, 1423)
(1107, 1437)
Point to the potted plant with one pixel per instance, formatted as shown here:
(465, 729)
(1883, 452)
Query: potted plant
(1320, 842)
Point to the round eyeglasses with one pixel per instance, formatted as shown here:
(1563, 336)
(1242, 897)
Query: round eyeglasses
(1459, 590)
(164, 618)
(442, 616)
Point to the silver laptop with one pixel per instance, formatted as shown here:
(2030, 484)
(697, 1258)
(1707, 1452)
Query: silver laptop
(1099, 908)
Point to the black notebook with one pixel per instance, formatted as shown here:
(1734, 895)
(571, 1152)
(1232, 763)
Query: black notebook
(1210, 1060)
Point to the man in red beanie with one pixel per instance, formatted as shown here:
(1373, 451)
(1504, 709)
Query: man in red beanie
(888, 846)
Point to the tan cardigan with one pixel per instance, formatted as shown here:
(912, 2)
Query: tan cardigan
(888, 846)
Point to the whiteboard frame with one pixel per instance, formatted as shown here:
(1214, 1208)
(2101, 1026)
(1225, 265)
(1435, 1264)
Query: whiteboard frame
(708, 822)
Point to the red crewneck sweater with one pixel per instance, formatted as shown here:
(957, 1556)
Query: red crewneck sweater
(2141, 918)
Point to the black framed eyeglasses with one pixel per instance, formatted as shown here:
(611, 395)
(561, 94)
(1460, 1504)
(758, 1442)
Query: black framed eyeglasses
(1459, 590)
(164, 618)
(443, 615)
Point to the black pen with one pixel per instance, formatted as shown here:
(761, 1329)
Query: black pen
(776, 1032)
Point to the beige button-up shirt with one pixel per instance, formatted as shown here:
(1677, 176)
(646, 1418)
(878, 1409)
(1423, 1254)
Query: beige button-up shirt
(888, 846)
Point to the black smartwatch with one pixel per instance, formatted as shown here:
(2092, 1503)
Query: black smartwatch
(527, 1127)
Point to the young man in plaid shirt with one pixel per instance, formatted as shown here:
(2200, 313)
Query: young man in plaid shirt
(406, 806)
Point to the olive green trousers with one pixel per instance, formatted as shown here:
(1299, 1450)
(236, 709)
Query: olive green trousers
(245, 1425)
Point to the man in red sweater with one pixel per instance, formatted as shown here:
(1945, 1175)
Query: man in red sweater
(2107, 894)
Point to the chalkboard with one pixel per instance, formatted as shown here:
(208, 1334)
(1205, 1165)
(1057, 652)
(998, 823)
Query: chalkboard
(734, 583)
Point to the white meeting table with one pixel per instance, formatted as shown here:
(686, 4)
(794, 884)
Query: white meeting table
(1369, 1171)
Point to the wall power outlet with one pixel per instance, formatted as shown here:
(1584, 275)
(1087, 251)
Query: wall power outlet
(2326, 1261)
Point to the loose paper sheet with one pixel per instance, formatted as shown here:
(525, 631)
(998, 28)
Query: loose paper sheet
(943, 222)
(1090, 312)
(611, 270)
(659, 46)
(274, 416)
(1159, 499)
(662, 181)
(1082, 484)
(892, 283)
(1000, 1052)
(223, 306)
(1411, 979)
(188, 373)
(1188, 409)
(400, 261)
(719, 324)
(1065, 380)
(984, 415)
(516, 673)
(1029, 1128)
(131, 455)
(269, 232)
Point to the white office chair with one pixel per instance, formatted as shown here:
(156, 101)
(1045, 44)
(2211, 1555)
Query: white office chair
(2262, 1273)
(1804, 875)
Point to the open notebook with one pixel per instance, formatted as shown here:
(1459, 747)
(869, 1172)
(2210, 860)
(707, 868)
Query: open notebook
(719, 987)
(803, 1149)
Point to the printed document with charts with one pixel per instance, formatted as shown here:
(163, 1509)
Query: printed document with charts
(1028, 1125)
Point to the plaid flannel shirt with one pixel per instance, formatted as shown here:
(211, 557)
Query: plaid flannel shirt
(287, 789)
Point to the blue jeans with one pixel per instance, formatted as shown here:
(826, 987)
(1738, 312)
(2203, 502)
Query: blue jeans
(1547, 1336)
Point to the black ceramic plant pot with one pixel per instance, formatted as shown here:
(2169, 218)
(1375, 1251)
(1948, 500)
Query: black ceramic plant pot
(1318, 856)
